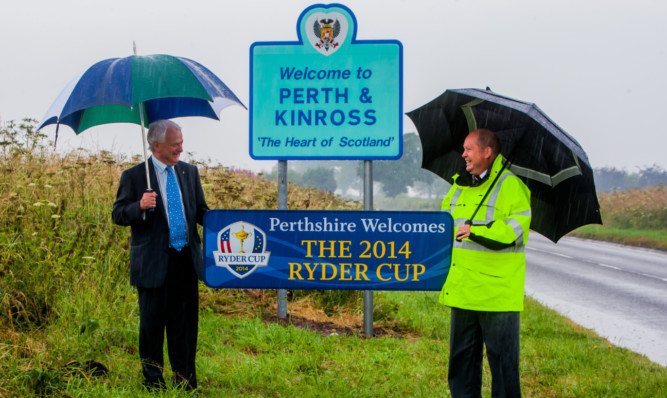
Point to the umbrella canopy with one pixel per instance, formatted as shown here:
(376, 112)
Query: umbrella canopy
(551, 163)
(117, 90)
(140, 90)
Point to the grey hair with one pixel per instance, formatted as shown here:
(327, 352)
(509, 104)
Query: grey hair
(158, 130)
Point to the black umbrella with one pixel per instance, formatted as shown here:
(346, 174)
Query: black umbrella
(551, 163)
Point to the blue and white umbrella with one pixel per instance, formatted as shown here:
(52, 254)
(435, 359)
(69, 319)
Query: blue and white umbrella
(139, 90)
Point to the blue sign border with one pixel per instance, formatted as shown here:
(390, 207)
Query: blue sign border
(353, 41)
(285, 243)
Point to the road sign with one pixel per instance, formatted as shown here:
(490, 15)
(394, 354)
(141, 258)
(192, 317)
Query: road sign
(327, 95)
(327, 250)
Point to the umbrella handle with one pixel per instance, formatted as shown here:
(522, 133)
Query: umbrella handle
(468, 222)
(153, 208)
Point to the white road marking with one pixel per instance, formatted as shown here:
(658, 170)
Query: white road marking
(642, 274)
(654, 277)
(561, 255)
(596, 263)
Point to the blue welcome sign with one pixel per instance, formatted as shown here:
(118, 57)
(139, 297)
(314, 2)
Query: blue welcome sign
(327, 95)
(327, 250)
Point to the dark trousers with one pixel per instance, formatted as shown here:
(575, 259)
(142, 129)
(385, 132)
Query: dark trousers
(173, 307)
(470, 332)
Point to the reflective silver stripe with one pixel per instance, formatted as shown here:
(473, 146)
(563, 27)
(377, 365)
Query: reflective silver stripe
(460, 221)
(518, 230)
(470, 245)
(491, 202)
(517, 225)
(455, 199)
(527, 213)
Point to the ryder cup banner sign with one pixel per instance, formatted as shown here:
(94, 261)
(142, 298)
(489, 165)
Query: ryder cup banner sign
(327, 95)
(327, 250)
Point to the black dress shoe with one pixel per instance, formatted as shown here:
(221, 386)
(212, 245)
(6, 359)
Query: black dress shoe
(154, 385)
(183, 383)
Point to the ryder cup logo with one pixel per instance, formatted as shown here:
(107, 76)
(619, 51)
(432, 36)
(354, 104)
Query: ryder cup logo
(326, 32)
(241, 249)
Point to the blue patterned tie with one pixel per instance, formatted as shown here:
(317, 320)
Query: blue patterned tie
(177, 230)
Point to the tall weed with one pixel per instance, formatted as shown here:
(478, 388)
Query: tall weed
(64, 288)
(638, 208)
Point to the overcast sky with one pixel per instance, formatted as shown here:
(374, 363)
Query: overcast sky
(598, 68)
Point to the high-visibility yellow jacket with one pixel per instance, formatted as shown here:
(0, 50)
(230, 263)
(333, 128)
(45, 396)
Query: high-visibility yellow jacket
(488, 269)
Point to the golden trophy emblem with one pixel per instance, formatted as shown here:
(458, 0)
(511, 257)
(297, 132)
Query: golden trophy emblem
(241, 235)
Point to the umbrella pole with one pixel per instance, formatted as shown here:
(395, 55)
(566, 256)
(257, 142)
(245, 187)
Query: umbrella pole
(469, 222)
(55, 141)
(143, 131)
(143, 141)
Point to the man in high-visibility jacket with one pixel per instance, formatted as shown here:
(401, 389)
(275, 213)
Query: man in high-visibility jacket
(485, 284)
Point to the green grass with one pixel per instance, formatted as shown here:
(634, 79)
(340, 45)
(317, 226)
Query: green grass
(636, 217)
(244, 355)
(648, 238)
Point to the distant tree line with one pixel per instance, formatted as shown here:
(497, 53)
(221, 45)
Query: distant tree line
(395, 177)
(613, 179)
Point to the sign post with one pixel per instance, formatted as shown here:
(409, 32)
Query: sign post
(368, 206)
(330, 96)
(282, 205)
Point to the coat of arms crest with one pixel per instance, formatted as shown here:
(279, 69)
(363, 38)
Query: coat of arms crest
(326, 31)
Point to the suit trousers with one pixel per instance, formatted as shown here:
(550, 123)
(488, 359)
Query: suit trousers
(470, 332)
(173, 307)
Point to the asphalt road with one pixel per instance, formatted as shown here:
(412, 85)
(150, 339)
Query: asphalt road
(620, 292)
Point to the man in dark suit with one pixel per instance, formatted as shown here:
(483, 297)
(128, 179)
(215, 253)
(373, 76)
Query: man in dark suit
(165, 253)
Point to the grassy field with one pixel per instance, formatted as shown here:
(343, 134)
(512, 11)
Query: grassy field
(648, 238)
(636, 217)
(242, 352)
(65, 296)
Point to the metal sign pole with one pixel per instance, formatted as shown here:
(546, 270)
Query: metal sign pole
(368, 205)
(282, 205)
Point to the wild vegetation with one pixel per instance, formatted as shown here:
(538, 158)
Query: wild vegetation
(635, 217)
(65, 300)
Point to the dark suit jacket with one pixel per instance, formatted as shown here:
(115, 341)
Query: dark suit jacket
(149, 246)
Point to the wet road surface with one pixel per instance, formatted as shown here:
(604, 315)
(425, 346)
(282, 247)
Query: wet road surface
(620, 292)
